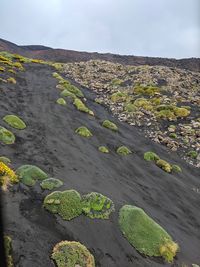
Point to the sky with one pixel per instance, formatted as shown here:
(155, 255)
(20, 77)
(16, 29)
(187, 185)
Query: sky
(160, 28)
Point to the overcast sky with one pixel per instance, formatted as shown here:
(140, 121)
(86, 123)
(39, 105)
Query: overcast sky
(164, 28)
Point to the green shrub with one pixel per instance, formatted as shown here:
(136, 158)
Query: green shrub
(176, 168)
(66, 93)
(72, 254)
(123, 150)
(14, 121)
(29, 174)
(110, 125)
(51, 183)
(151, 156)
(82, 107)
(164, 165)
(103, 149)
(83, 131)
(11, 80)
(6, 137)
(192, 154)
(5, 160)
(142, 232)
(67, 204)
(96, 205)
(61, 101)
(8, 251)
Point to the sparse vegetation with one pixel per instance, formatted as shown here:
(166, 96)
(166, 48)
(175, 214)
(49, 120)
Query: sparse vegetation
(72, 254)
(51, 183)
(123, 151)
(110, 125)
(15, 122)
(6, 137)
(83, 131)
(96, 205)
(148, 237)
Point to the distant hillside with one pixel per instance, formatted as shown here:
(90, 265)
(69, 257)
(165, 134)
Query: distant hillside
(62, 55)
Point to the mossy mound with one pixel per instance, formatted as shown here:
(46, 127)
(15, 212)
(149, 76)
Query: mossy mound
(110, 125)
(192, 154)
(15, 122)
(8, 251)
(67, 204)
(66, 93)
(82, 107)
(151, 156)
(148, 90)
(123, 151)
(96, 205)
(164, 165)
(6, 137)
(142, 232)
(29, 174)
(61, 101)
(119, 97)
(51, 183)
(103, 149)
(176, 168)
(83, 131)
(5, 160)
(72, 254)
(11, 80)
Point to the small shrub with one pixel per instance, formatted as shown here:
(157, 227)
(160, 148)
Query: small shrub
(192, 154)
(110, 125)
(176, 168)
(82, 107)
(14, 121)
(72, 254)
(83, 131)
(96, 205)
(123, 151)
(51, 183)
(67, 204)
(151, 156)
(61, 101)
(8, 251)
(164, 165)
(11, 80)
(6, 137)
(103, 149)
(142, 232)
(29, 174)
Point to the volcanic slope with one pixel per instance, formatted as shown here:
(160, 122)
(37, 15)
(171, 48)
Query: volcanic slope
(50, 142)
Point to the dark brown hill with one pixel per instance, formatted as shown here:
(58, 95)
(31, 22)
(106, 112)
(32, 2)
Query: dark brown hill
(62, 55)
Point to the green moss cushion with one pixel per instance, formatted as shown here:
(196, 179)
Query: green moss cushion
(123, 151)
(66, 93)
(61, 101)
(96, 205)
(151, 156)
(164, 165)
(5, 160)
(29, 174)
(15, 122)
(51, 183)
(83, 131)
(110, 125)
(67, 204)
(103, 149)
(72, 254)
(6, 137)
(144, 233)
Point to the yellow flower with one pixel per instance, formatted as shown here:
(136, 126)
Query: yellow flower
(7, 175)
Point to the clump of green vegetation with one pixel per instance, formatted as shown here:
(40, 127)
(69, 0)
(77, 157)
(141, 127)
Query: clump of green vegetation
(8, 251)
(11, 80)
(61, 101)
(181, 112)
(146, 90)
(192, 154)
(82, 107)
(143, 103)
(15, 122)
(98, 101)
(166, 114)
(173, 135)
(5, 160)
(2, 69)
(72, 254)
(83, 131)
(130, 107)
(29, 174)
(96, 205)
(66, 93)
(176, 168)
(119, 97)
(116, 82)
(164, 165)
(151, 156)
(123, 151)
(148, 237)
(103, 149)
(171, 112)
(110, 125)
(67, 204)
(51, 183)
(7, 176)
(6, 137)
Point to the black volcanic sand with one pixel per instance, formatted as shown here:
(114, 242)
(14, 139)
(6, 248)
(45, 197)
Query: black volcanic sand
(49, 142)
